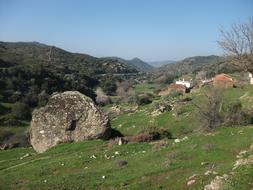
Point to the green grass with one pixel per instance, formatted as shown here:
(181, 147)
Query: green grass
(145, 88)
(70, 166)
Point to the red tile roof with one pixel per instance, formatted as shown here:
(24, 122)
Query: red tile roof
(223, 77)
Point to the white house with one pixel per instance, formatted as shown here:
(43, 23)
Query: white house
(251, 77)
(187, 84)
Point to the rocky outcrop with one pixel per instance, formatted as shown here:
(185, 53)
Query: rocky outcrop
(69, 116)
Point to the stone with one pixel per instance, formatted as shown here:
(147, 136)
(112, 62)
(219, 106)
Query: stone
(121, 163)
(216, 184)
(67, 117)
(191, 182)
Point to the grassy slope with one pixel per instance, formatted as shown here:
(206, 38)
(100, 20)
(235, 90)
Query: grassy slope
(70, 166)
(65, 165)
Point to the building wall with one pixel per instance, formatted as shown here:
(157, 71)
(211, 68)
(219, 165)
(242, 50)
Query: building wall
(185, 83)
(223, 84)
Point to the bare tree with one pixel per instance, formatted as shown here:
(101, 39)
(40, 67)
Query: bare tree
(237, 43)
(102, 98)
(209, 112)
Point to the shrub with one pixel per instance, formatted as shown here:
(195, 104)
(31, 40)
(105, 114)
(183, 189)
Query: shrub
(142, 137)
(102, 99)
(9, 139)
(175, 93)
(210, 111)
(144, 99)
(161, 106)
(236, 115)
(5, 134)
(21, 111)
(150, 135)
(18, 140)
(9, 120)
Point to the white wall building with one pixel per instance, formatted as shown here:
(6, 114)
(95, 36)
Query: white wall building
(251, 77)
(187, 84)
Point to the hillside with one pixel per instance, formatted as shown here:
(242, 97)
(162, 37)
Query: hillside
(135, 63)
(191, 159)
(30, 72)
(161, 63)
(27, 53)
(210, 63)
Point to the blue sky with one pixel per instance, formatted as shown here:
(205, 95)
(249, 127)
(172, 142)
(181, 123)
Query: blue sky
(152, 30)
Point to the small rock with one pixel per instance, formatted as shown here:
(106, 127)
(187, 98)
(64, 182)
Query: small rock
(93, 156)
(120, 142)
(121, 163)
(193, 176)
(204, 163)
(103, 177)
(116, 153)
(26, 155)
(177, 140)
(208, 172)
(191, 182)
(243, 152)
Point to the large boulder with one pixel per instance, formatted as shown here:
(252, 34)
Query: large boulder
(67, 117)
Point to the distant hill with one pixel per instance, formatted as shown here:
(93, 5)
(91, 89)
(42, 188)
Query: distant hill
(135, 63)
(31, 71)
(161, 63)
(37, 53)
(210, 63)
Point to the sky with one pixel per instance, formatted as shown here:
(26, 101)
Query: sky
(152, 30)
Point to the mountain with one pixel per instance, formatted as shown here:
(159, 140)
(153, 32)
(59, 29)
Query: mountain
(38, 53)
(161, 63)
(135, 63)
(194, 64)
(31, 71)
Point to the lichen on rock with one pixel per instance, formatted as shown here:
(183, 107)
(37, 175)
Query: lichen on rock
(67, 117)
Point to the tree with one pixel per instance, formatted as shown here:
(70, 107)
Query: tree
(102, 98)
(237, 43)
(210, 110)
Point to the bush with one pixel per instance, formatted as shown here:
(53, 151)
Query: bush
(102, 99)
(213, 112)
(175, 93)
(236, 115)
(150, 135)
(210, 111)
(5, 135)
(9, 120)
(21, 111)
(161, 106)
(9, 139)
(144, 99)
(17, 140)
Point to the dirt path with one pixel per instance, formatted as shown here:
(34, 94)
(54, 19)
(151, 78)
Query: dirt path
(245, 95)
(24, 163)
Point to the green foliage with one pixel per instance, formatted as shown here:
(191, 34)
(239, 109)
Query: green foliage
(21, 111)
(144, 99)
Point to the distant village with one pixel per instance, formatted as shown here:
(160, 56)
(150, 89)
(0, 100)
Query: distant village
(221, 81)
